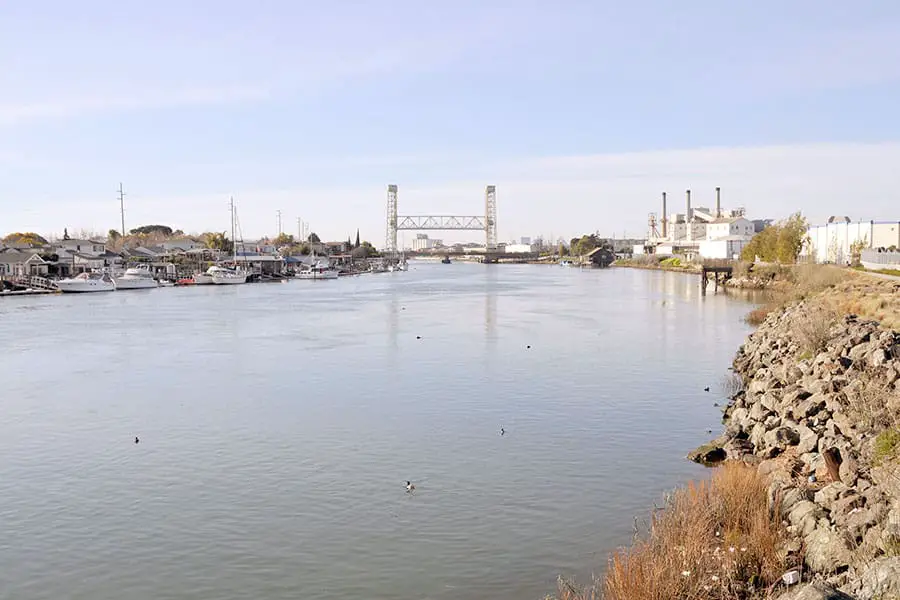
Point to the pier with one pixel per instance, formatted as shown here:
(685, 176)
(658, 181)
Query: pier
(719, 270)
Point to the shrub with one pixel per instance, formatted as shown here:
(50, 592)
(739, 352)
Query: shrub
(887, 445)
(812, 330)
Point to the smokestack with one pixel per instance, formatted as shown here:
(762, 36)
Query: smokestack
(718, 203)
(665, 219)
(687, 216)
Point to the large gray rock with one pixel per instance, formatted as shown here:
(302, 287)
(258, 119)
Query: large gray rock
(860, 351)
(880, 580)
(809, 440)
(759, 413)
(816, 591)
(804, 516)
(849, 470)
(826, 550)
(781, 438)
(830, 493)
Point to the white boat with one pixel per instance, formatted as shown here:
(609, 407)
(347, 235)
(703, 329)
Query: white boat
(136, 278)
(203, 278)
(228, 277)
(88, 282)
(318, 271)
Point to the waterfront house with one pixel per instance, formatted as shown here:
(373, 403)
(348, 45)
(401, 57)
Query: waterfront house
(601, 257)
(260, 263)
(16, 263)
(182, 245)
(85, 247)
(337, 247)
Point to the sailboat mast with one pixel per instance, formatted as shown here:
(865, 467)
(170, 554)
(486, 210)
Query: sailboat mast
(233, 239)
(122, 207)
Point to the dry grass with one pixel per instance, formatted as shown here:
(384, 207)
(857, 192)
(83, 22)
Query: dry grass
(812, 329)
(713, 540)
(840, 291)
(867, 297)
(872, 402)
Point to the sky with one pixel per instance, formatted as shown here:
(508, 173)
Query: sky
(580, 112)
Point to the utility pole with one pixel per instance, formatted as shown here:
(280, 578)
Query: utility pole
(122, 207)
(299, 230)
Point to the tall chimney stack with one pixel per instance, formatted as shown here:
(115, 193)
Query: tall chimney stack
(718, 203)
(665, 219)
(687, 217)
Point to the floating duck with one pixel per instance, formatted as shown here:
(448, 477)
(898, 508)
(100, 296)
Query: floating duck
(409, 486)
(137, 440)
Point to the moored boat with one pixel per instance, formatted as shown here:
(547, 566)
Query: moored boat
(87, 282)
(136, 278)
(318, 271)
(228, 277)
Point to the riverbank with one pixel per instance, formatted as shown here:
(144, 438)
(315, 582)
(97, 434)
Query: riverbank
(811, 445)
(655, 263)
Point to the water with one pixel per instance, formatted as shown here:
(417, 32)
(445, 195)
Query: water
(278, 425)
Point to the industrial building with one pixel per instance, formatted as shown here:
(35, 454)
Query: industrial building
(832, 242)
(699, 231)
(423, 242)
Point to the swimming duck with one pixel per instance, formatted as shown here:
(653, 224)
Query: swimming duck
(409, 486)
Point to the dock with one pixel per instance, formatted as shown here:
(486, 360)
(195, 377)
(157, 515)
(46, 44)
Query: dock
(719, 270)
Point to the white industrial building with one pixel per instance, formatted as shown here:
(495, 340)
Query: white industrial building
(519, 248)
(423, 242)
(831, 242)
(700, 231)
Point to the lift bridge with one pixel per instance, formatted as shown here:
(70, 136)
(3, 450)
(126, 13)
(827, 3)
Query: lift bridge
(486, 222)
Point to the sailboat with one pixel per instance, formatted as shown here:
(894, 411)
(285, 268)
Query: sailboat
(222, 276)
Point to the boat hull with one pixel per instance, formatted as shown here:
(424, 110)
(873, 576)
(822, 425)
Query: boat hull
(125, 283)
(203, 279)
(323, 275)
(229, 279)
(84, 287)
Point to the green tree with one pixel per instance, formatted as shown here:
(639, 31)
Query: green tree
(30, 238)
(149, 229)
(283, 239)
(313, 238)
(218, 241)
(781, 242)
(113, 235)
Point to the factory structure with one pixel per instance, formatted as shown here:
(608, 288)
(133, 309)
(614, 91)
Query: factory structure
(700, 232)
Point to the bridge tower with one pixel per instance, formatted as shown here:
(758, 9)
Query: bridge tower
(390, 242)
(490, 217)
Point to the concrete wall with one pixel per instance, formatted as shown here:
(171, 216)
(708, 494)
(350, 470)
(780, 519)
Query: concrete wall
(722, 249)
(831, 242)
(885, 235)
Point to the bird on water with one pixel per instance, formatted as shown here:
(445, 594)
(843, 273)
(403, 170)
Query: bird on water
(706, 389)
(502, 431)
(409, 486)
(137, 440)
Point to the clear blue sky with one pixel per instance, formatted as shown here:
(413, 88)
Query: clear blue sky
(581, 112)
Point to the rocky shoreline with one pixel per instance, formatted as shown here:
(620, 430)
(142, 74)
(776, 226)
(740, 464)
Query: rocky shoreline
(815, 404)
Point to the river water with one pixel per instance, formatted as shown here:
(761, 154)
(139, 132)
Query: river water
(278, 424)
